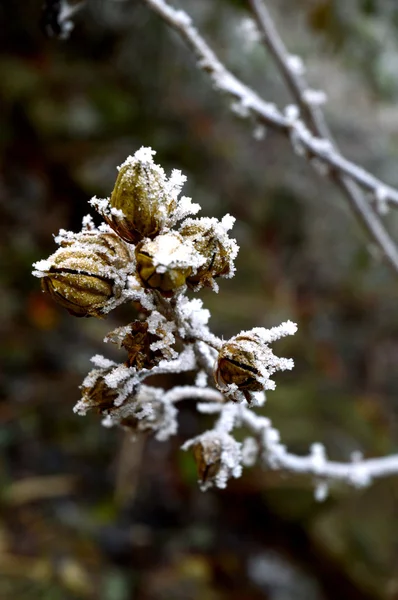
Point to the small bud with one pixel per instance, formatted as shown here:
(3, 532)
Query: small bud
(210, 239)
(140, 205)
(164, 263)
(86, 275)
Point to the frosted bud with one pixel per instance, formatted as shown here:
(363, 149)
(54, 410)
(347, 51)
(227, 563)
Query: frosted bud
(211, 240)
(140, 205)
(86, 275)
(164, 263)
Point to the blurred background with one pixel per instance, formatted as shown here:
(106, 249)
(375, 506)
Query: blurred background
(85, 512)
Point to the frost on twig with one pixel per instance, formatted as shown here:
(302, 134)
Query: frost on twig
(305, 127)
(138, 256)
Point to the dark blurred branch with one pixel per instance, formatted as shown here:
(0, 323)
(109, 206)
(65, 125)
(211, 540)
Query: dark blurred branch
(318, 148)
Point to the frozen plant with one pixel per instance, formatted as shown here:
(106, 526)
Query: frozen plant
(150, 251)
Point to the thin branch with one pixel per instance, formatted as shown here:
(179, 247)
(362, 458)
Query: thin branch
(302, 139)
(314, 118)
(295, 81)
(183, 392)
(359, 473)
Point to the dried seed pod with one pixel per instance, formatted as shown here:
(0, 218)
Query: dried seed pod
(99, 395)
(138, 422)
(107, 388)
(164, 263)
(137, 340)
(239, 364)
(207, 455)
(210, 239)
(147, 411)
(246, 362)
(140, 205)
(87, 274)
(218, 457)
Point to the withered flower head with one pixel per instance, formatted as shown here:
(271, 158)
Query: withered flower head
(210, 239)
(165, 263)
(87, 274)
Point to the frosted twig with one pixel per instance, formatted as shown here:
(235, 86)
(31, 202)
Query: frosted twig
(312, 146)
(314, 118)
(183, 392)
(359, 473)
(293, 77)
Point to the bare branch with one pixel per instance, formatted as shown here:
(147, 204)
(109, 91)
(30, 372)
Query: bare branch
(318, 146)
(315, 120)
(311, 112)
(359, 473)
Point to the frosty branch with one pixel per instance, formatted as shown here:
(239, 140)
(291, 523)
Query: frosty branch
(303, 124)
(149, 252)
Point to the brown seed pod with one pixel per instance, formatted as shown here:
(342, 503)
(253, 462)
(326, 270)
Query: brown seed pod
(238, 364)
(164, 263)
(139, 206)
(99, 395)
(137, 340)
(207, 455)
(85, 274)
(211, 241)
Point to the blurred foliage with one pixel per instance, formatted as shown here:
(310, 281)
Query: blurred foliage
(86, 513)
(364, 32)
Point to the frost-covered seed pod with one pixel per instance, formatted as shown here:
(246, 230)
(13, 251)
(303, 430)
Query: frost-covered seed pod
(137, 340)
(140, 206)
(99, 395)
(210, 239)
(83, 275)
(207, 455)
(238, 364)
(163, 264)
